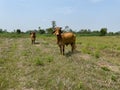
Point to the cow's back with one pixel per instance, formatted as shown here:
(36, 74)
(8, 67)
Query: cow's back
(68, 37)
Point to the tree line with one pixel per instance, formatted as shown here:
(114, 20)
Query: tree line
(82, 32)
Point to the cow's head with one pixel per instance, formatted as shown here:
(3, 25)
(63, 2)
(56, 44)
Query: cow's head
(57, 31)
(32, 33)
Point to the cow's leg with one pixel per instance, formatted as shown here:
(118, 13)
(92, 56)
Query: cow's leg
(33, 41)
(72, 46)
(63, 48)
(60, 49)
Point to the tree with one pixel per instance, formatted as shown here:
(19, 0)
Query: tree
(67, 28)
(84, 31)
(18, 31)
(41, 31)
(1, 30)
(117, 33)
(111, 33)
(103, 31)
(39, 28)
(5, 31)
(49, 30)
(53, 24)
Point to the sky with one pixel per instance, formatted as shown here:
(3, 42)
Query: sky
(77, 14)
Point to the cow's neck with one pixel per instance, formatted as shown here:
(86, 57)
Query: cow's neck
(59, 38)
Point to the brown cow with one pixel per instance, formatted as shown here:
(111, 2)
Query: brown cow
(64, 39)
(33, 37)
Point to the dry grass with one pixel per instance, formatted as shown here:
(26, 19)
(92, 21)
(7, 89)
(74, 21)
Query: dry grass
(95, 65)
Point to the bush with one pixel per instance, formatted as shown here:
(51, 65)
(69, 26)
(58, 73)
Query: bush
(103, 31)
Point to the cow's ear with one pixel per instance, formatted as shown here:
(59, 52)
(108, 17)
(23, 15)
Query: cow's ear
(61, 31)
(60, 28)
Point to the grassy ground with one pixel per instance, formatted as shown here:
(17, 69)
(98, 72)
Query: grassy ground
(95, 65)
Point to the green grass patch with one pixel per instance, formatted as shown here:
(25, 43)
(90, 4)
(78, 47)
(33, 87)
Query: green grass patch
(105, 68)
(41, 67)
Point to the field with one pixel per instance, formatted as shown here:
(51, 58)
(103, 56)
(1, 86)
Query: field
(95, 65)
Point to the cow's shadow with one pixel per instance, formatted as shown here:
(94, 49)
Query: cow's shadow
(68, 54)
(37, 42)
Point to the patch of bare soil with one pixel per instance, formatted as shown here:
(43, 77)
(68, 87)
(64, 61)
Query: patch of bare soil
(82, 56)
(109, 66)
(85, 57)
(111, 53)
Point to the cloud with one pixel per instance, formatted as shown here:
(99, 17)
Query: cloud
(96, 1)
